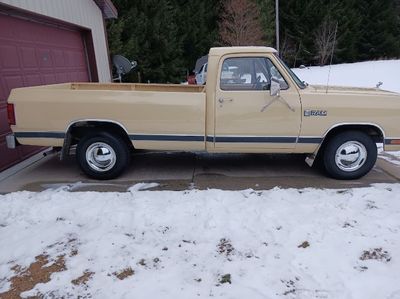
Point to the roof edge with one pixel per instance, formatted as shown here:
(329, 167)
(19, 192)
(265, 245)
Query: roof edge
(108, 10)
(241, 49)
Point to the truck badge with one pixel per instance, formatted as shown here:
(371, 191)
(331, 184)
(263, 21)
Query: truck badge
(308, 113)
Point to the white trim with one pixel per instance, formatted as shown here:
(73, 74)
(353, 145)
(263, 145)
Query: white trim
(354, 124)
(96, 120)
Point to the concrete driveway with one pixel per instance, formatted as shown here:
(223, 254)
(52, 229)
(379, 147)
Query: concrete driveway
(180, 171)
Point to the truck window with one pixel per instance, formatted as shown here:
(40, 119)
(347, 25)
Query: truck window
(249, 73)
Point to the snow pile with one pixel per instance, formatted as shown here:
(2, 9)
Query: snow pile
(195, 244)
(360, 74)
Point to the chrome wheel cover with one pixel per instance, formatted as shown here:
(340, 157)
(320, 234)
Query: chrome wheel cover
(351, 156)
(100, 157)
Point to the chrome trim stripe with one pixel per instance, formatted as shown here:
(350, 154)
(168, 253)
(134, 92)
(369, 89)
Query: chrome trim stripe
(191, 138)
(310, 140)
(227, 139)
(167, 137)
(254, 139)
(56, 135)
(388, 141)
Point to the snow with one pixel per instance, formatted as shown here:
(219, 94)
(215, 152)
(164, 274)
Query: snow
(281, 243)
(181, 244)
(360, 74)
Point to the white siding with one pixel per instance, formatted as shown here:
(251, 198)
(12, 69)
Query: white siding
(84, 13)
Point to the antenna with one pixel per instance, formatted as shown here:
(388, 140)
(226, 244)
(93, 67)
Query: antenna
(123, 66)
(333, 50)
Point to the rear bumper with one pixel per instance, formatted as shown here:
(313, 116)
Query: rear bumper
(11, 141)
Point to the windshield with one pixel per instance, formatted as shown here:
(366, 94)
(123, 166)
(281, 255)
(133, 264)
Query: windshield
(299, 83)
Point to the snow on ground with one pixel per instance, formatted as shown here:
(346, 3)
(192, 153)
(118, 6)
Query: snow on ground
(198, 244)
(360, 74)
(291, 243)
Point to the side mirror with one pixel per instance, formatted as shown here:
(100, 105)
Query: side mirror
(275, 89)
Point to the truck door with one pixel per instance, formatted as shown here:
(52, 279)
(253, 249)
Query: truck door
(248, 117)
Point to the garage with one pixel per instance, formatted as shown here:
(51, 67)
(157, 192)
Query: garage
(36, 49)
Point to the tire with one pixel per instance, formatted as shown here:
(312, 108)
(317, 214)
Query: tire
(349, 155)
(102, 156)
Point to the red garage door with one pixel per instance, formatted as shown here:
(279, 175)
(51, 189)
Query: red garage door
(33, 53)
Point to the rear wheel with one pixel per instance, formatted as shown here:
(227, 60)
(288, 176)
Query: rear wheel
(102, 156)
(349, 155)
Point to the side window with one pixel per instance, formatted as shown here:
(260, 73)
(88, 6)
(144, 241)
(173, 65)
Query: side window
(248, 73)
(277, 75)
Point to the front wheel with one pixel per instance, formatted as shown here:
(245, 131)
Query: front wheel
(349, 155)
(102, 156)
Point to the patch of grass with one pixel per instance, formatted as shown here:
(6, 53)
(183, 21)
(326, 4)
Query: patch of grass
(305, 244)
(376, 254)
(226, 278)
(225, 247)
(83, 279)
(124, 273)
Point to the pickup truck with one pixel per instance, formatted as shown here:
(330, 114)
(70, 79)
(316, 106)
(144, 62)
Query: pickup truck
(251, 103)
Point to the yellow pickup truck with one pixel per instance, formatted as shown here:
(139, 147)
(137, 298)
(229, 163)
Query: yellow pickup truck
(252, 103)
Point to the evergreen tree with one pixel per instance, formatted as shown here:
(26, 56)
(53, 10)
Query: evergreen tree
(267, 14)
(166, 37)
(146, 31)
(197, 26)
(349, 22)
(379, 29)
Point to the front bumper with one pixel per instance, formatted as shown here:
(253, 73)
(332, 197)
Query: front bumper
(11, 141)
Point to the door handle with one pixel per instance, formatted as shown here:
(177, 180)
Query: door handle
(222, 100)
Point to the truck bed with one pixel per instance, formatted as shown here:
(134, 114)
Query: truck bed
(147, 112)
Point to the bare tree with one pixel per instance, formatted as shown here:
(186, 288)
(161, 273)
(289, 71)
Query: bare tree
(325, 40)
(240, 24)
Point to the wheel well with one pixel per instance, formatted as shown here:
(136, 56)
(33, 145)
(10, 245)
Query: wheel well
(80, 129)
(375, 132)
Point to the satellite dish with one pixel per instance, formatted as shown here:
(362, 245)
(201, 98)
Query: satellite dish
(123, 66)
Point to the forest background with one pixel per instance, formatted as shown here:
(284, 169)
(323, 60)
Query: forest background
(166, 37)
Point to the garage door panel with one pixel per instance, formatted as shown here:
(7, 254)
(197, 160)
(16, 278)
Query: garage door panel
(49, 79)
(9, 60)
(13, 81)
(3, 95)
(11, 155)
(78, 59)
(28, 56)
(31, 54)
(62, 78)
(4, 128)
(68, 58)
(33, 80)
(82, 76)
(58, 58)
(44, 57)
